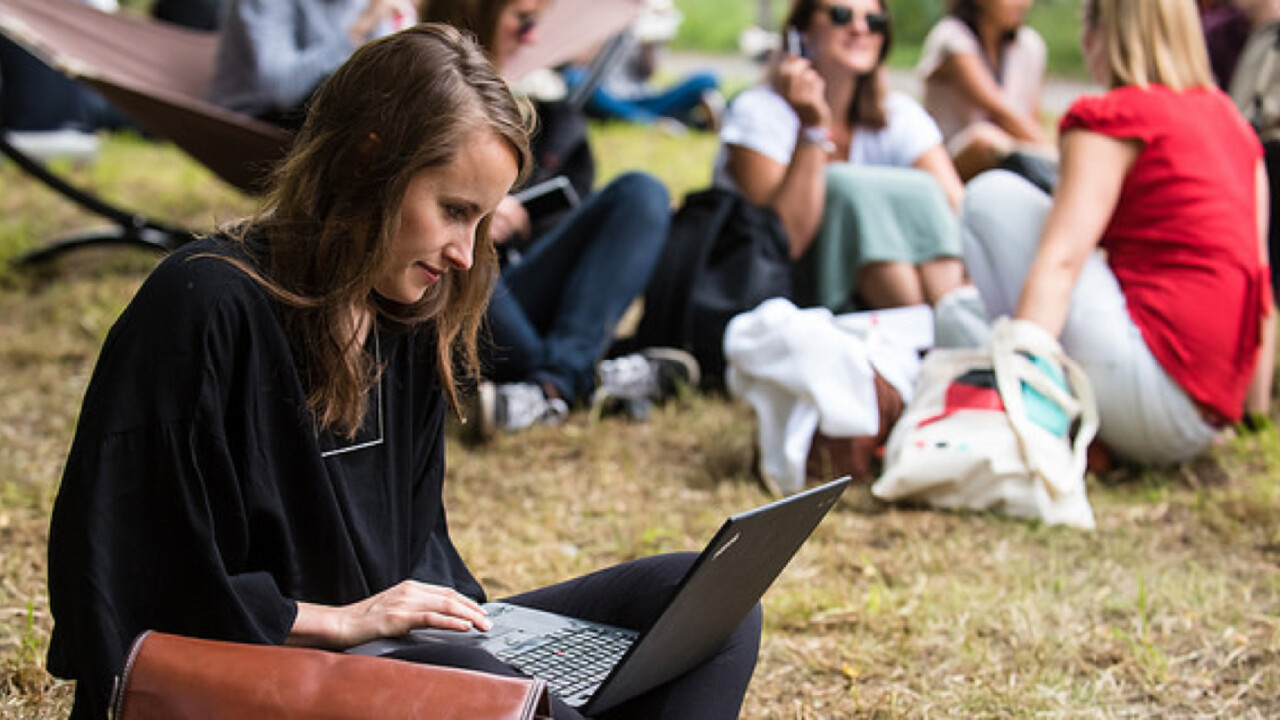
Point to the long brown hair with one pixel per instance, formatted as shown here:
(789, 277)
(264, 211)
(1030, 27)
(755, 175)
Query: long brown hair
(399, 105)
(867, 109)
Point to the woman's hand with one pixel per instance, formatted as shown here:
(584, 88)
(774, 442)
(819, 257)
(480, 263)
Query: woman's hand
(795, 79)
(510, 219)
(407, 606)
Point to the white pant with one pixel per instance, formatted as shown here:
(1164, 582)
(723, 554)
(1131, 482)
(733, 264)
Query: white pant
(1144, 415)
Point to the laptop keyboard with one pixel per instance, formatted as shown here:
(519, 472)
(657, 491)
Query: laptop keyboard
(573, 660)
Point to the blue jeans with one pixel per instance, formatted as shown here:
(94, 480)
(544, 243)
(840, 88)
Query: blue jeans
(677, 101)
(554, 311)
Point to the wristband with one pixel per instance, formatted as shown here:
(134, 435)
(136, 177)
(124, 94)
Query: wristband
(818, 136)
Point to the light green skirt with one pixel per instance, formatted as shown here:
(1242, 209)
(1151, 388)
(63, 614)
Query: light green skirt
(872, 214)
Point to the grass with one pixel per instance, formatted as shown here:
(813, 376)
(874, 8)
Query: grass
(1171, 608)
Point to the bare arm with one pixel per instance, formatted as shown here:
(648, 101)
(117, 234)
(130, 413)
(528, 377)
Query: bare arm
(980, 89)
(937, 163)
(795, 191)
(391, 613)
(1258, 399)
(1092, 172)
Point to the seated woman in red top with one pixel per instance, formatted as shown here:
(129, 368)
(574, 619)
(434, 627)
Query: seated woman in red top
(1162, 174)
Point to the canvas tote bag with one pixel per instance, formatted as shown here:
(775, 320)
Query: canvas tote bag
(170, 677)
(1004, 428)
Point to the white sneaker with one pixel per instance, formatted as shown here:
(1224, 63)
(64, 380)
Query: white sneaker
(45, 145)
(511, 407)
(960, 319)
(640, 379)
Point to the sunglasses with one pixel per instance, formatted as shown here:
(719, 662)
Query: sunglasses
(842, 16)
(528, 22)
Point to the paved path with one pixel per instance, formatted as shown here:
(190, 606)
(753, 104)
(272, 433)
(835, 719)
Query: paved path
(737, 69)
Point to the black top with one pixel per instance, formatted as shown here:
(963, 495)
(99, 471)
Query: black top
(198, 497)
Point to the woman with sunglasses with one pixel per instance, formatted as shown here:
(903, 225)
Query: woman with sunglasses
(983, 75)
(1171, 322)
(856, 173)
(272, 54)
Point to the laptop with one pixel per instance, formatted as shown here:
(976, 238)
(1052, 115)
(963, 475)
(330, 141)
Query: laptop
(606, 665)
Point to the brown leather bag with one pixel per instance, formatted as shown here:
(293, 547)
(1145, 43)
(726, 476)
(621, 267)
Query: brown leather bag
(170, 677)
(857, 456)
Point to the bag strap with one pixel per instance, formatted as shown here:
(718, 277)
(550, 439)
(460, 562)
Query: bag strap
(1013, 368)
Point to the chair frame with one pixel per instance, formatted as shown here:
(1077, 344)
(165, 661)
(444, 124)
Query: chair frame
(169, 103)
(126, 228)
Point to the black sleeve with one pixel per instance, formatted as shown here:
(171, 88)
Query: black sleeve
(436, 559)
(153, 503)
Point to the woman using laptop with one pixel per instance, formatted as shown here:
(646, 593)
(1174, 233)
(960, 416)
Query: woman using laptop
(260, 454)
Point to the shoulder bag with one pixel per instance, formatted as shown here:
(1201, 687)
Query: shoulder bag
(1002, 428)
(170, 677)
(723, 256)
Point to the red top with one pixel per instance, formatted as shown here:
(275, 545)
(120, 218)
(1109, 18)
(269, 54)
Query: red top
(1183, 240)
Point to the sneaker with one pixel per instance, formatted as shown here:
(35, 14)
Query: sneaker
(45, 145)
(637, 380)
(710, 110)
(511, 407)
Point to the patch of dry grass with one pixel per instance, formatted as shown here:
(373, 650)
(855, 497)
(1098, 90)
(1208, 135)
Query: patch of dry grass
(1171, 608)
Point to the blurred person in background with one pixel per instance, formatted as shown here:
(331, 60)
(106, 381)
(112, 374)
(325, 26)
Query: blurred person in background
(559, 301)
(983, 71)
(194, 14)
(627, 90)
(857, 173)
(1255, 88)
(46, 114)
(1225, 30)
(1172, 322)
(273, 54)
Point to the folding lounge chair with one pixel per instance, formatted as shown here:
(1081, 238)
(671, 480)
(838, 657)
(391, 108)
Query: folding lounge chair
(157, 74)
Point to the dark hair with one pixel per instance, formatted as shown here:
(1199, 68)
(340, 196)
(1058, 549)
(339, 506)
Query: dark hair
(401, 104)
(867, 107)
(477, 17)
(968, 12)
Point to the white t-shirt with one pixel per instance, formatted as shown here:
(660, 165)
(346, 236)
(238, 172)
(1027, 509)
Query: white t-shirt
(1021, 75)
(760, 119)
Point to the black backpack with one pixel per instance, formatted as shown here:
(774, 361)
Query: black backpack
(723, 256)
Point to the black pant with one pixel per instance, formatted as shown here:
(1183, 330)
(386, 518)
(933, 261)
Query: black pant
(631, 595)
(194, 14)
